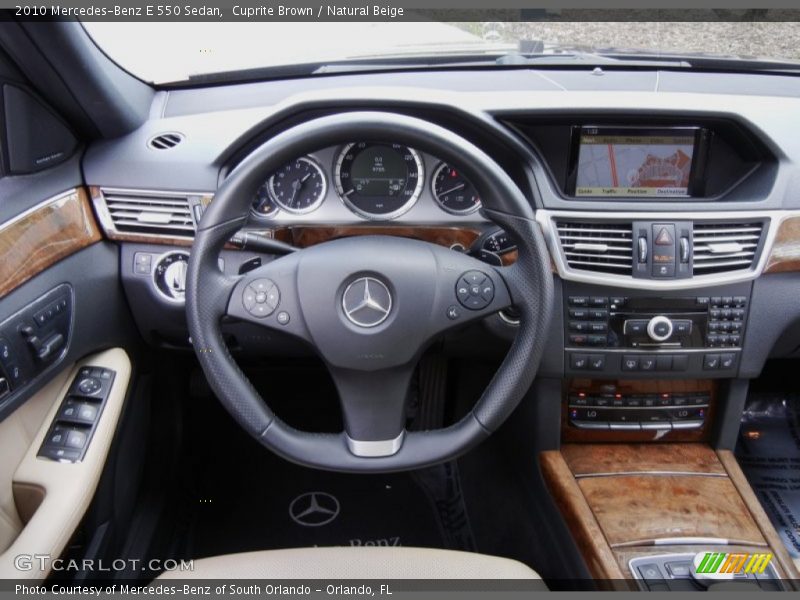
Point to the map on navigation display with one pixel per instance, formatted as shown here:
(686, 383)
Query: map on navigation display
(634, 165)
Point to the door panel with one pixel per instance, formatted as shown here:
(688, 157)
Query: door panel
(17, 434)
(61, 307)
(50, 497)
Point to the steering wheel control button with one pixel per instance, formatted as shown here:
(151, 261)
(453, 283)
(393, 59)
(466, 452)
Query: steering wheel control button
(283, 318)
(453, 312)
(261, 297)
(475, 290)
(367, 302)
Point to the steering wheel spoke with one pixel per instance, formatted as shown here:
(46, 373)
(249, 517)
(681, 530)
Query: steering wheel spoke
(374, 408)
(267, 297)
(469, 290)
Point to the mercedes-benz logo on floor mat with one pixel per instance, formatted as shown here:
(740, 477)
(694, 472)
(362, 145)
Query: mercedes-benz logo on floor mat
(367, 302)
(314, 509)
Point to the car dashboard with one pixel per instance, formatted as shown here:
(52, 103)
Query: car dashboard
(670, 225)
(661, 271)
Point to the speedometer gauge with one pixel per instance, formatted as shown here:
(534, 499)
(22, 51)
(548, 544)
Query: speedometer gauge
(379, 181)
(298, 187)
(453, 192)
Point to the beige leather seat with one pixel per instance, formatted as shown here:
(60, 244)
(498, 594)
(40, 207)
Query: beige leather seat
(356, 563)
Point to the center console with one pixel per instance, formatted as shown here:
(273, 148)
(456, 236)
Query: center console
(656, 316)
(646, 515)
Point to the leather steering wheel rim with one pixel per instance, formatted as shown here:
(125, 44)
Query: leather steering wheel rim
(528, 281)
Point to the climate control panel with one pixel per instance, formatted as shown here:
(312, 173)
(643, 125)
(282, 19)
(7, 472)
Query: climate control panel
(598, 409)
(634, 412)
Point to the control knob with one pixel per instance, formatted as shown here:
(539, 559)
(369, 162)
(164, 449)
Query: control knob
(169, 276)
(659, 328)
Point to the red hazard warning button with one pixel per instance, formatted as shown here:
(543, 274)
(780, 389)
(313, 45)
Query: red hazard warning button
(664, 238)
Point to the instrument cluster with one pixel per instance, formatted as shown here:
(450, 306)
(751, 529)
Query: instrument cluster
(375, 181)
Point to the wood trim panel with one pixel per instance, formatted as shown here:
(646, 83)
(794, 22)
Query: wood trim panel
(596, 459)
(37, 239)
(638, 510)
(785, 252)
(585, 529)
(303, 236)
(509, 258)
(737, 477)
(155, 240)
(621, 516)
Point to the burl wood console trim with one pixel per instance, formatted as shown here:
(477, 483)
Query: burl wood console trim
(40, 237)
(585, 529)
(642, 509)
(785, 252)
(620, 459)
(626, 500)
(737, 477)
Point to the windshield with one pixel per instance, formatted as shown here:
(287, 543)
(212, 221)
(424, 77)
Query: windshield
(175, 52)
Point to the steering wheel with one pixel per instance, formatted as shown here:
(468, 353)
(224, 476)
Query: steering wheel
(369, 305)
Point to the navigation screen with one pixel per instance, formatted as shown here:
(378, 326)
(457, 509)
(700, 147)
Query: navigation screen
(619, 163)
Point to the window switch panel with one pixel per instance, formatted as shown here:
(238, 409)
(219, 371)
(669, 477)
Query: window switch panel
(71, 432)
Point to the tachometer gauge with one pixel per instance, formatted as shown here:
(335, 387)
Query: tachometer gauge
(453, 193)
(298, 187)
(379, 181)
(263, 206)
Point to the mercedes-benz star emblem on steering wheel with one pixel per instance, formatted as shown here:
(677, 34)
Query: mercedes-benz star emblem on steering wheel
(367, 302)
(314, 509)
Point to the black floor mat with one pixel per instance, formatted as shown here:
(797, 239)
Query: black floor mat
(242, 497)
(768, 451)
(270, 503)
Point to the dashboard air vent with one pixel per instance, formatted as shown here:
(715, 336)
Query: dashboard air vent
(165, 141)
(597, 246)
(723, 247)
(158, 214)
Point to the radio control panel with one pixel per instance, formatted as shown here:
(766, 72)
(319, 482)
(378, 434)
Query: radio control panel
(640, 332)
